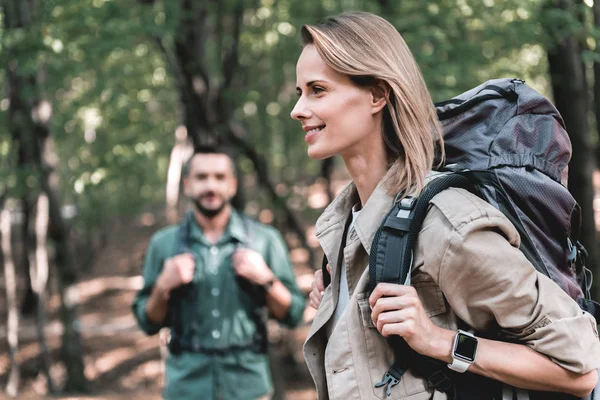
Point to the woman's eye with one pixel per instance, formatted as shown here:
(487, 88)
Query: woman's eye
(317, 89)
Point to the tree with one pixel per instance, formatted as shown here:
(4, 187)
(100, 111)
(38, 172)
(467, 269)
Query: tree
(12, 384)
(570, 90)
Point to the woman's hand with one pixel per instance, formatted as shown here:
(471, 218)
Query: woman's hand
(397, 310)
(318, 287)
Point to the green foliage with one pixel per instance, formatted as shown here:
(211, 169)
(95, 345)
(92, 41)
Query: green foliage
(115, 95)
(114, 104)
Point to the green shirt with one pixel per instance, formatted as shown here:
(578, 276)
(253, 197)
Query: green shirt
(219, 312)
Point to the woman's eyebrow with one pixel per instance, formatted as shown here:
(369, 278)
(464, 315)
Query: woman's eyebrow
(311, 83)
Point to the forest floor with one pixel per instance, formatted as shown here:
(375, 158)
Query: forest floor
(120, 361)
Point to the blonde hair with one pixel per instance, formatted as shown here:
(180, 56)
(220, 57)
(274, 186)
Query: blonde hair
(370, 51)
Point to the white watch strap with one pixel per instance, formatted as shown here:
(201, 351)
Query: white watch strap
(459, 365)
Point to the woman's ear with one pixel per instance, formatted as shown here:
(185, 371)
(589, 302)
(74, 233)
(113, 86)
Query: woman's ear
(379, 96)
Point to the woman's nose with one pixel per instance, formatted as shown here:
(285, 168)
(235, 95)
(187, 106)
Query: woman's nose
(300, 111)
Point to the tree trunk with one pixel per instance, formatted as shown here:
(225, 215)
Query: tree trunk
(40, 283)
(12, 324)
(29, 117)
(195, 84)
(179, 154)
(570, 97)
(71, 349)
(29, 301)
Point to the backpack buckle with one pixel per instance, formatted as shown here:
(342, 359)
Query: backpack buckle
(406, 203)
(389, 382)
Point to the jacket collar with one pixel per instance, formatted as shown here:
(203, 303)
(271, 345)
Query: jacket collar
(369, 219)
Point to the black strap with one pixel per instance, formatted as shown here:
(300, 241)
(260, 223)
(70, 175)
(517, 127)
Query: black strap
(326, 274)
(391, 261)
(260, 314)
(178, 294)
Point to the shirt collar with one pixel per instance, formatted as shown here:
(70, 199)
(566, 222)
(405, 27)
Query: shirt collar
(367, 221)
(236, 229)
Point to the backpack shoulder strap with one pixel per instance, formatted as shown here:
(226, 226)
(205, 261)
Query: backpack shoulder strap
(391, 261)
(175, 300)
(260, 314)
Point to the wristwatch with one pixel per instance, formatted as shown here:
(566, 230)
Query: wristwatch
(269, 284)
(463, 351)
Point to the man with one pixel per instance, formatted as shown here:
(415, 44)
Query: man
(209, 279)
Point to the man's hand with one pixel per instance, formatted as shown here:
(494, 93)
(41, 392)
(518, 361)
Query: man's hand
(318, 288)
(177, 271)
(249, 264)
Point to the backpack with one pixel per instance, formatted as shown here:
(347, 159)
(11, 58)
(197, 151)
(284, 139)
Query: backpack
(507, 144)
(177, 342)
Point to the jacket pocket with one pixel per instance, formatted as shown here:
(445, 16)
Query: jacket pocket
(380, 354)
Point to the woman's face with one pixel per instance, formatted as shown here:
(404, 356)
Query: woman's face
(338, 117)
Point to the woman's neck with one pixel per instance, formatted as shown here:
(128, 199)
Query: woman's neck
(367, 169)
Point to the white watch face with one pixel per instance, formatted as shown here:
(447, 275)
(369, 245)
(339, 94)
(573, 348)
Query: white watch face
(465, 347)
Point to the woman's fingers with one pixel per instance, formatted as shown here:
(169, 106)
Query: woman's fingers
(319, 285)
(386, 304)
(394, 317)
(317, 290)
(389, 290)
(404, 329)
(314, 301)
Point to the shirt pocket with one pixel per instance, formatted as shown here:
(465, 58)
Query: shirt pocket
(380, 354)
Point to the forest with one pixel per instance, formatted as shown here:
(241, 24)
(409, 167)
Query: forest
(102, 102)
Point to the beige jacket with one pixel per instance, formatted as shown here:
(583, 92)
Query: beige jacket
(467, 267)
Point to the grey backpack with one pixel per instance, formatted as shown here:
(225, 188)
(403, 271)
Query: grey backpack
(514, 142)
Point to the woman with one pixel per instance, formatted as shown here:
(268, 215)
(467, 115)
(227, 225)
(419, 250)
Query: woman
(362, 96)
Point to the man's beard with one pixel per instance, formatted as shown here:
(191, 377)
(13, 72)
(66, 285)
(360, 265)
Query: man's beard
(209, 212)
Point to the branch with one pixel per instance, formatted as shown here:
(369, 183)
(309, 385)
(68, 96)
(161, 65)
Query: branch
(230, 60)
(235, 134)
(170, 62)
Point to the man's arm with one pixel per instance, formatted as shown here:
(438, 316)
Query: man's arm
(250, 265)
(177, 271)
(284, 298)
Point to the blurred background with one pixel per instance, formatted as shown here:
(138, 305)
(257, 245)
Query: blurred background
(101, 102)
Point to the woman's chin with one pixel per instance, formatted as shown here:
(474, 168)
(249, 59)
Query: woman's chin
(318, 153)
